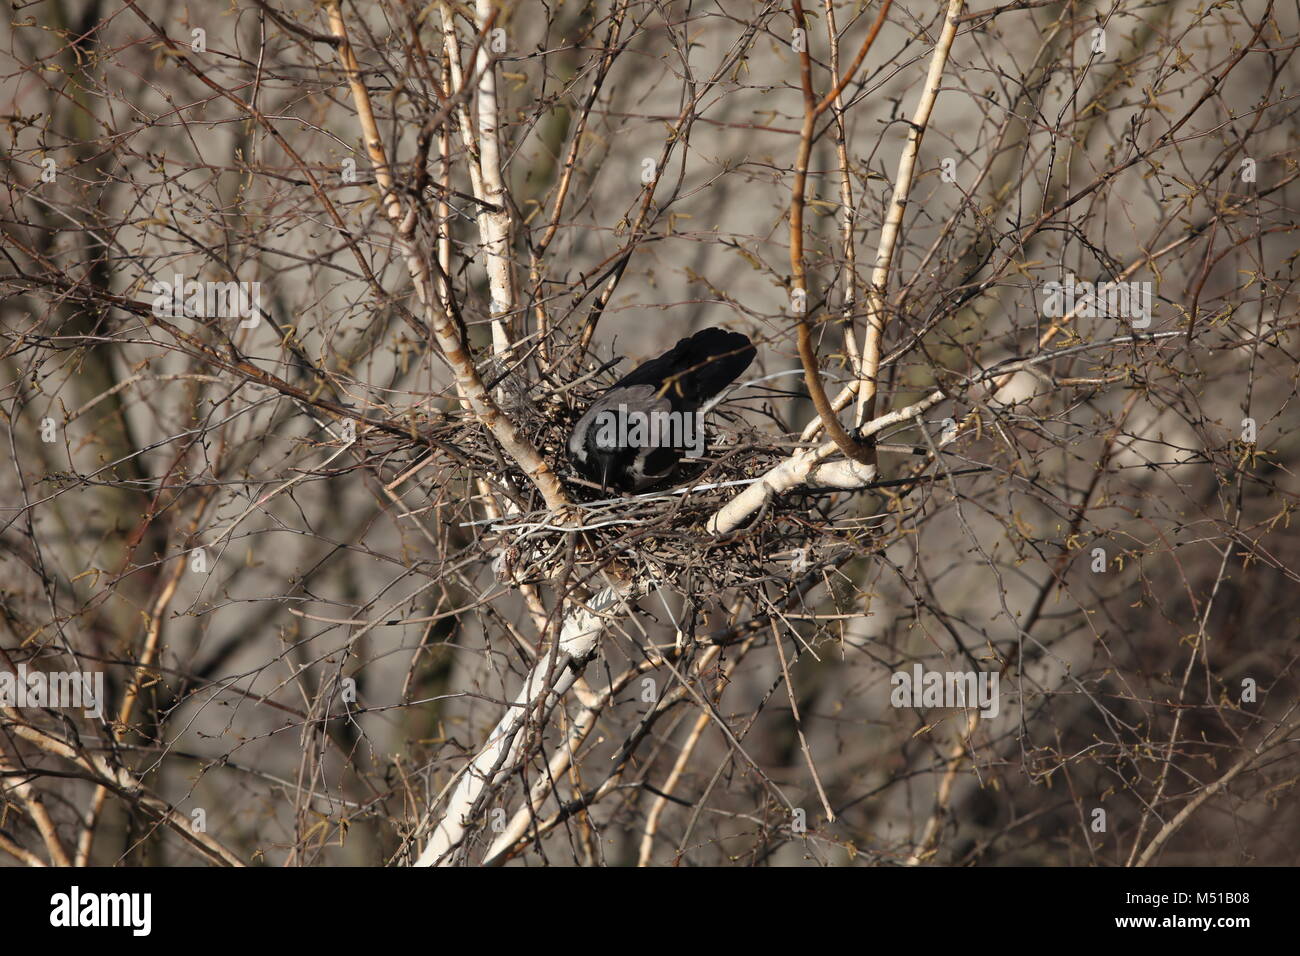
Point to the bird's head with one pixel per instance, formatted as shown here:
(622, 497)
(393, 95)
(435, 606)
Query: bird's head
(595, 451)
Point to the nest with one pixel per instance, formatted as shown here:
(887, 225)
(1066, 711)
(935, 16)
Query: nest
(659, 536)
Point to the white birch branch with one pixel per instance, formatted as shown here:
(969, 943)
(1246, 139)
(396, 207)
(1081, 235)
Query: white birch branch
(876, 317)
(494, 223)
(578, 638)
(561, 759)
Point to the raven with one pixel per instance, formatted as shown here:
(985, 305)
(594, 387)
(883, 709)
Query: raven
(634, 435)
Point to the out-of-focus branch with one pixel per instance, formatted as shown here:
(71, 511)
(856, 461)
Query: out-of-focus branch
(646, 853)
(535, 271)
(31, 799)
(122, 781)
(925, 847)
(679, 133)
(147, 654)
(14, 850)
(1279, 735)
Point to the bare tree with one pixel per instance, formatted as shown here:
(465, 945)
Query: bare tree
(989, 559)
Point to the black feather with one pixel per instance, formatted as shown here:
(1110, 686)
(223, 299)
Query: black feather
(681, 380)
(696, 368)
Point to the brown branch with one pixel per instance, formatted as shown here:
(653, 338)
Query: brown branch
(1274, 738)
(863, 453)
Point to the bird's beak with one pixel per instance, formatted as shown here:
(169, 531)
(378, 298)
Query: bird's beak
(604, 475)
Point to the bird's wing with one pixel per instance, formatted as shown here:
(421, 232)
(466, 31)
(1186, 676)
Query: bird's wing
(695, 369)
(638, 398)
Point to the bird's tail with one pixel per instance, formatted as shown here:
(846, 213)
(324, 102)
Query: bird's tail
(696, 368)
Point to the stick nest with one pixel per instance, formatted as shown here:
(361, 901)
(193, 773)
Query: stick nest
(658, 536)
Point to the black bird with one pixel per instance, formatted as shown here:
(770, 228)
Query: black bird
(635, 434)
